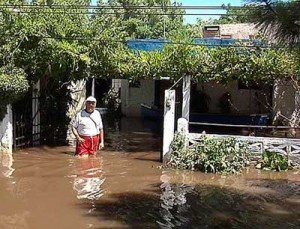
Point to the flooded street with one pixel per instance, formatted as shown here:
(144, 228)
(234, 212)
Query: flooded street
(124, 187)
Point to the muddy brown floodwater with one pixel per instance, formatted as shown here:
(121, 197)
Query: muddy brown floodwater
(123, 187)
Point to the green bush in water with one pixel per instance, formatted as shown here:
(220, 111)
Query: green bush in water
(210, 155)
(273, 161)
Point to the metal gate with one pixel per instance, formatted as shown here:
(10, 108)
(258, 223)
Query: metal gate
(26, 121)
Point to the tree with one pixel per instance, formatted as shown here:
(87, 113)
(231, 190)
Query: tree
(233, 16)
(64, 43)
(144, 18)
(279, 20)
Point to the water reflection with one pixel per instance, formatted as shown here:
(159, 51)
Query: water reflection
(6, 162)
(88, 178)
(137, 193)
(198, 200)
(174, 202)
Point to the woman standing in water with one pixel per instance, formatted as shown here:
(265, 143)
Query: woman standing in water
(87, 127)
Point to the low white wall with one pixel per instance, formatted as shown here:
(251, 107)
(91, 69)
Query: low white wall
(132, 97)
(6, 132)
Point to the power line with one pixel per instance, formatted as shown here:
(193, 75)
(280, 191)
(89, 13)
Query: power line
(99, 9)
(134, 13)
(182, 7)
(92, 9)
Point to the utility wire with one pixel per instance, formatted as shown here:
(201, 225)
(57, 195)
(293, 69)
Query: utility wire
(112, 13)
(182, 7)
(51, 9)
(67, 9)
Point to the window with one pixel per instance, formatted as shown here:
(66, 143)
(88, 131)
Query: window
(135, 83)
(226, 36)
(211, 31)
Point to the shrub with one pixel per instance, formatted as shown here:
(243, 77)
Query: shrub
(13, 84)
(273, 161)
(210, 155)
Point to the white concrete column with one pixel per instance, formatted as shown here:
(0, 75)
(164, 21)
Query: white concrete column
(78, 94)
(6, 132)
(169, 121)
(186, 95)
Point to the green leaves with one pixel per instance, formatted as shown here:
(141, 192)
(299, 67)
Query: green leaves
(219, 64)
(279, 20)
(67, 47)
(13, 84)
(273, 161)
(210, 155)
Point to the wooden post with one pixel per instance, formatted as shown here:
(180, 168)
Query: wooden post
(169, 121)
(186, 95)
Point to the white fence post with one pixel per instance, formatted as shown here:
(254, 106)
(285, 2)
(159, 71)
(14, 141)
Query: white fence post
(169, 119)
(186, 95)
(183, 128)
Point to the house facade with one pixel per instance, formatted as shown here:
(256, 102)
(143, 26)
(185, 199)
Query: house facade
(281, 102)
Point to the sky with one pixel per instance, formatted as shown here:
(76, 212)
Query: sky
(193, 18)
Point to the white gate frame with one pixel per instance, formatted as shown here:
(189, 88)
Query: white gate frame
(169, 123)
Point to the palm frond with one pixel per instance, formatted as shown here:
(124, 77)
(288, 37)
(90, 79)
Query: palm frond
(278, 20)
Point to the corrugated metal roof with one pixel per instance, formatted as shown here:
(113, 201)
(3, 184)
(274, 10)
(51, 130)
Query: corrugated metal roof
(158, 44)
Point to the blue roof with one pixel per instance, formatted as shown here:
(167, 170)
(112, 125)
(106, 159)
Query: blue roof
(146, 44)
(158, 44)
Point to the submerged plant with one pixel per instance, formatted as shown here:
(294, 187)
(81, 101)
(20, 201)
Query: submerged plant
(210, 155)
(273, 161)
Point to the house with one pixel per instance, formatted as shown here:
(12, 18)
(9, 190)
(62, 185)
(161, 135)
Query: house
(254, 104)
(278, 101)
(230, 31)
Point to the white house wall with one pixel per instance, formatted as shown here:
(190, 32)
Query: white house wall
(234, 31)
(239, 30)
(116, 84)
(283, 102)
(6, 132)
(244, 101)
(132, 97)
